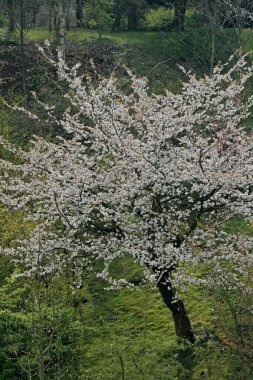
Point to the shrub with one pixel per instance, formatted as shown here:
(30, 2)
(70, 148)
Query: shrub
(160, 18)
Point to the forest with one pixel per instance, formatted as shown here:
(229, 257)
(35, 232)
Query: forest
(126, 189)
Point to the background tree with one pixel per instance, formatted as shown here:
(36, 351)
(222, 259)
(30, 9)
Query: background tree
(99, 15)
(79, 13)
(34, 9)
(180, 10)
(11, 15)
(60, 15)
(212, 14)
(133, 10)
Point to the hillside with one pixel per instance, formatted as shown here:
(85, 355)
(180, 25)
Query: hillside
(50, 324)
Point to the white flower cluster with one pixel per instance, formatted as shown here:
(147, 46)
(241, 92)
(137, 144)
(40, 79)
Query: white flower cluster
(151, 176)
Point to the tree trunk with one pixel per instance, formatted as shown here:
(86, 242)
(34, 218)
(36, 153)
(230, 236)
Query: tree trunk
(11, 15)
(117, 21)
(181, 320)
(22, 44)
(50, 27)
(132, 19)
(55, 21)
(179, 19)
(212, 12)
(118, 16)
(34, 14)
(60, 28)
(67, 22)
(35, 11)
(79, 13)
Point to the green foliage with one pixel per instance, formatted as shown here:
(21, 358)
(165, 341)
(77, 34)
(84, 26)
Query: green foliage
(196, 48)
(3, 21)
(99, 15)
(125, 267)
(194, 18)
(235, 327)
(14, 328)
(131, 333)
(4, 119)
(40, 333)
(239, 225)
(13, 226)
(158, 19)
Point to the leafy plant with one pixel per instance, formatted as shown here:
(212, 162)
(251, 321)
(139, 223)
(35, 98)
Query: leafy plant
(99, 15)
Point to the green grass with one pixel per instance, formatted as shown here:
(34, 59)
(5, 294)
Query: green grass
(136, 329)
(161, 43)
(156, 54)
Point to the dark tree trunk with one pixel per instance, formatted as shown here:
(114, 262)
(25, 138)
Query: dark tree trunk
(34, 19)
(67, 22)
(22, 44)
(181, 320)
(50, 17)
(54, 9)
(180, 9)
(118, 16)
(11, 15)
(212, 15)
(117, 21)
(79, 13)
(35, 11)
(60, 15)
(66, 9)
(132, 19)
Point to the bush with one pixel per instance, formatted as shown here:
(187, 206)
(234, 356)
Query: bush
(3, 21)
(99, 15)
(158, 19)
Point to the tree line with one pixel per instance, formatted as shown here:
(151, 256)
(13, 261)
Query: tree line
(121, 14)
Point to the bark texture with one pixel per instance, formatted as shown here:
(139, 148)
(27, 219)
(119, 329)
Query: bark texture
(22, 44)
(79, 13)
(132, 19)
(181, 320)
(118, 17)
(60, 14)
(11, 15)
(180, 9)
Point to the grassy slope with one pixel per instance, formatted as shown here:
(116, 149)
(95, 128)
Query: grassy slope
(129, 334)
(156, 54)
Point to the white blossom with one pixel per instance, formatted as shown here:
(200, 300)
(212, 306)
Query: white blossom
(156, 177)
